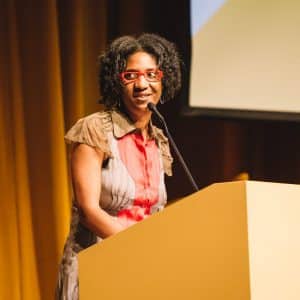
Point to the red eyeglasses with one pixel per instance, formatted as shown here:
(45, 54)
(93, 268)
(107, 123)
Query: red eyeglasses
(150, 75)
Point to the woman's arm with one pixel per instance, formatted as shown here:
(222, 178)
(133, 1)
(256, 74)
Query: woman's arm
(86, 163)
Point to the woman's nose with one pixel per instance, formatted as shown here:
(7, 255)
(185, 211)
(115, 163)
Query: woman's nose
(141, 82)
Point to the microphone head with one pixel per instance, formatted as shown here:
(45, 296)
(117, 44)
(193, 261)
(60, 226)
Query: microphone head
(151, 106)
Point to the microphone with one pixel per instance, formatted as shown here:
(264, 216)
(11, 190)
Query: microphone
(153, 108)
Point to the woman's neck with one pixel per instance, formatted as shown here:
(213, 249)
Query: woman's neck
(140, 121)
(143, 125)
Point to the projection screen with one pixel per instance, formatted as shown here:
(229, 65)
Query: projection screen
(245, 58)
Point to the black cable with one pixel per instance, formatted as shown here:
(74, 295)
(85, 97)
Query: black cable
(153, 108)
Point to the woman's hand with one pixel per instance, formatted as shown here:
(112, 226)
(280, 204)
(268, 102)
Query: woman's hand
(125, 222)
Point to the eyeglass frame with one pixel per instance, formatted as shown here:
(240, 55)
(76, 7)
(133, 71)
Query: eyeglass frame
(140, 73)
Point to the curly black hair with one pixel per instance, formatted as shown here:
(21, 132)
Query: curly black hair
(113, 62)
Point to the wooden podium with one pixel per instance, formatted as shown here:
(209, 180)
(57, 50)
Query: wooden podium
(235, 241)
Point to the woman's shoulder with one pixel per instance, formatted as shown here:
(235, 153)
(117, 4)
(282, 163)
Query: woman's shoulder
(91, 130)
(101, 119)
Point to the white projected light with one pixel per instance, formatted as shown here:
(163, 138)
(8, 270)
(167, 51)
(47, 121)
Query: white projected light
(246, 57)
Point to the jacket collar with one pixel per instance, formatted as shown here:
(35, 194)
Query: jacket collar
(122, 125)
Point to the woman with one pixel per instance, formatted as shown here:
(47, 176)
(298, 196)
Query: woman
(118, 157)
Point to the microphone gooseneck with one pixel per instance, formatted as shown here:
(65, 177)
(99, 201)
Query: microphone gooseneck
(153, 108)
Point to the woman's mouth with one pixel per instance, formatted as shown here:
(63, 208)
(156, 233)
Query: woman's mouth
(142, 97)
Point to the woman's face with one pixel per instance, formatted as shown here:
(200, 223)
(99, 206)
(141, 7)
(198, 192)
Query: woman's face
(141, 88)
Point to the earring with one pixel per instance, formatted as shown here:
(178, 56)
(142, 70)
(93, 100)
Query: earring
(118, 103)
